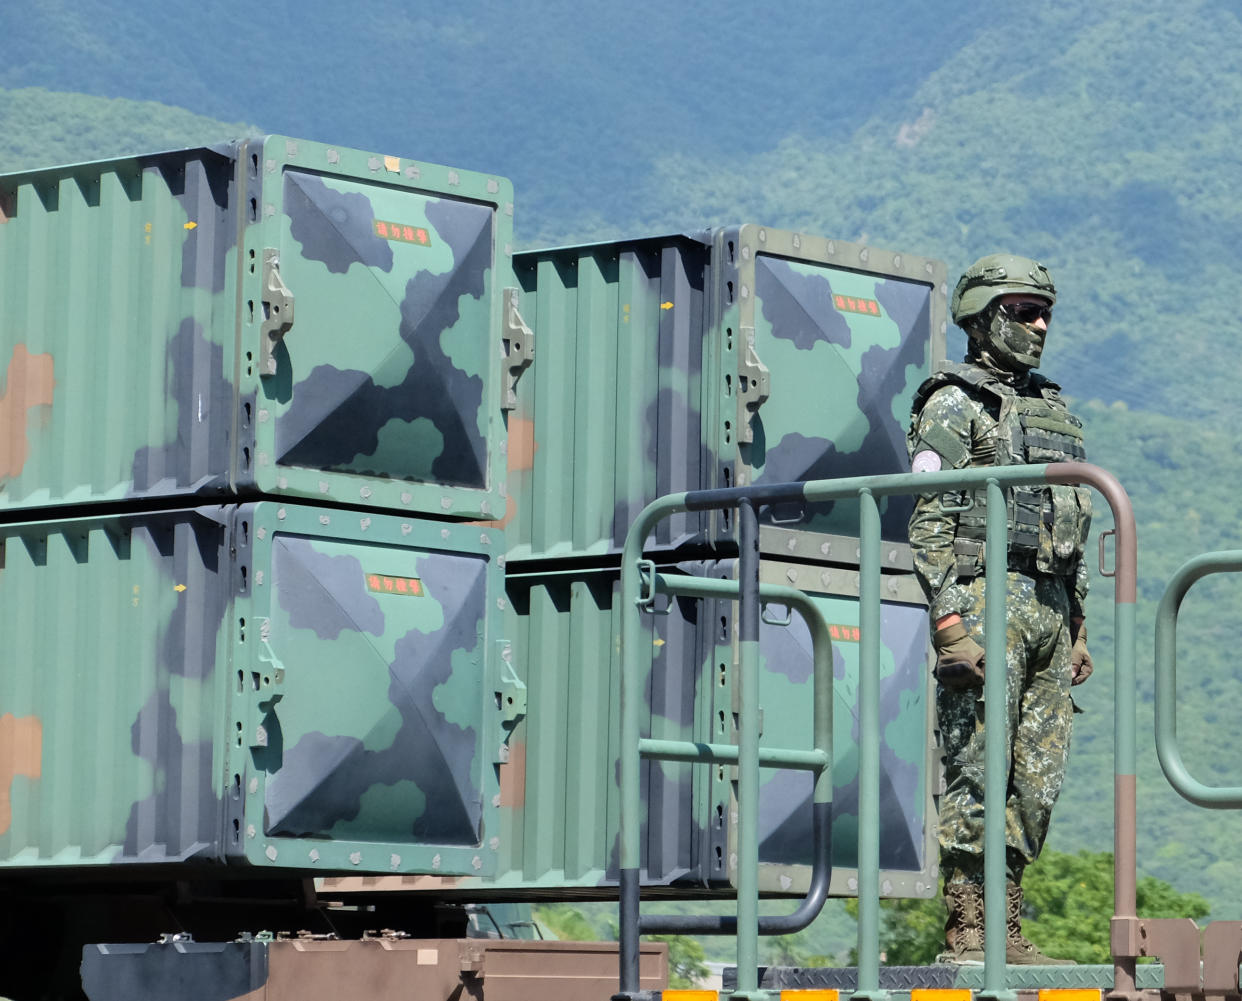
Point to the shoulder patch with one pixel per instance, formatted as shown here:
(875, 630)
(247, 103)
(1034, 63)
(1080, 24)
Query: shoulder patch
(944, 426)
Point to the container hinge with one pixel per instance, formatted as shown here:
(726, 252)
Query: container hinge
(277, 312)
(518, 346)
(754, 384)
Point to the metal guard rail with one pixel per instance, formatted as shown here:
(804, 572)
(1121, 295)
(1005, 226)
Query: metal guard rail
(867, 489)
(1167, 748)
(817, 760)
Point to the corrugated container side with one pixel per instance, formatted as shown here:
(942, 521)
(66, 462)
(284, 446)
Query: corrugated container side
(559, 783)
(559, 788)
(117, 293)
(112, 703)
(608, 418)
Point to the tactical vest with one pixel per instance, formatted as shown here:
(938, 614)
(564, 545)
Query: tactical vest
(1048, 525)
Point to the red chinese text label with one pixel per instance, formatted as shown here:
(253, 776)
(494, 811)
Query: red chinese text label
(402, 233)
(851, 304)
(381, 583)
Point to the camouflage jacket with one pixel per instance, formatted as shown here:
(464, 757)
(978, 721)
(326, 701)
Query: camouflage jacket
(966, 416)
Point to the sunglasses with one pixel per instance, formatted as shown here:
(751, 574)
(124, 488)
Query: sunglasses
(1028, 312)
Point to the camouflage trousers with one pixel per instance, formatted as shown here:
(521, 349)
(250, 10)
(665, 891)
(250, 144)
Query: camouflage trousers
(1040, 715)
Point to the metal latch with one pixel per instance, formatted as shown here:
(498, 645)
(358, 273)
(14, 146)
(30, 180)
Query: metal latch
(277, 312)
(754, 386)
(510, 695)
(511, 690)
(518, 344)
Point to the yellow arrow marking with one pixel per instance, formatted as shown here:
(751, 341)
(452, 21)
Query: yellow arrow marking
(659, 642)
(179, 587)
(190, 225)
(666, 305)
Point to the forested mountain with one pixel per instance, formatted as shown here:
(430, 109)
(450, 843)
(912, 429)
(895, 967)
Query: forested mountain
(1098, 138)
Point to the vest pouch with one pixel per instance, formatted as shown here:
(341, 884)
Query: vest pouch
(1063, 529)
(1027, 513)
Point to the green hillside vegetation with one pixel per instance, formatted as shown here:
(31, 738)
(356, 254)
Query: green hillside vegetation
(572, 101)
(1067, 903)
(40, 128)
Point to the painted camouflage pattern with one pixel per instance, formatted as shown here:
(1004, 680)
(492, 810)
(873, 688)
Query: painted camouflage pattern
(847, 333)
(652, 335)
(1040, 721)
(609, 417)
(981, 426)
(134, 298)
(908, 761)
(112, 679)
(118, 294)
(273, 684)
(559, 787)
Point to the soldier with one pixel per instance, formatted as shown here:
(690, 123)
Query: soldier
(995, 411)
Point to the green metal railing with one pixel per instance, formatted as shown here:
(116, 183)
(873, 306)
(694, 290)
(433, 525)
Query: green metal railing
(817, 760)
(867, 490)
(1167, 749)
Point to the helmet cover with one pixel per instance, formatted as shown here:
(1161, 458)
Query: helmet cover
(996, 275)
(1014, 345)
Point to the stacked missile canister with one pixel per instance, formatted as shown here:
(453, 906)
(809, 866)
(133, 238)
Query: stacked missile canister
(735, 356)
(253, 422)
(312, 498)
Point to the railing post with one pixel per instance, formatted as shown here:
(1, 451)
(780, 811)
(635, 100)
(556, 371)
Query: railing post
(630, 698)
(748, 749)
(996, 743)
(869, 750)
(1125, 724)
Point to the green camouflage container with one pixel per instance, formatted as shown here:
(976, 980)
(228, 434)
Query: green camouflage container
(286, 687)
(559, 786)
(818, 346)
(608, 418)
(559, 792)
(909, 760)
(743, 355)
(270, 316)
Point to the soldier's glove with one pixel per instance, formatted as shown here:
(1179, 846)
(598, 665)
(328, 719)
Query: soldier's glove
(959, 659)
(1080, 661)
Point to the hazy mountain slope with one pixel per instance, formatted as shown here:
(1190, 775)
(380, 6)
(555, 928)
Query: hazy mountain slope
(1106, 150)
(572, 101)
(40, 128)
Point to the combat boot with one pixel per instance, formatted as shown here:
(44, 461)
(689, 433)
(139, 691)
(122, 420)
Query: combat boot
(1020, 950)
(963, 930)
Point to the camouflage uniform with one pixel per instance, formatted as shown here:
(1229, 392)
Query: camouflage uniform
(975, 415)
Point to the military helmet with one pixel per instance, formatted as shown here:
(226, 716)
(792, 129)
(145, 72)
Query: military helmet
(994, 276)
